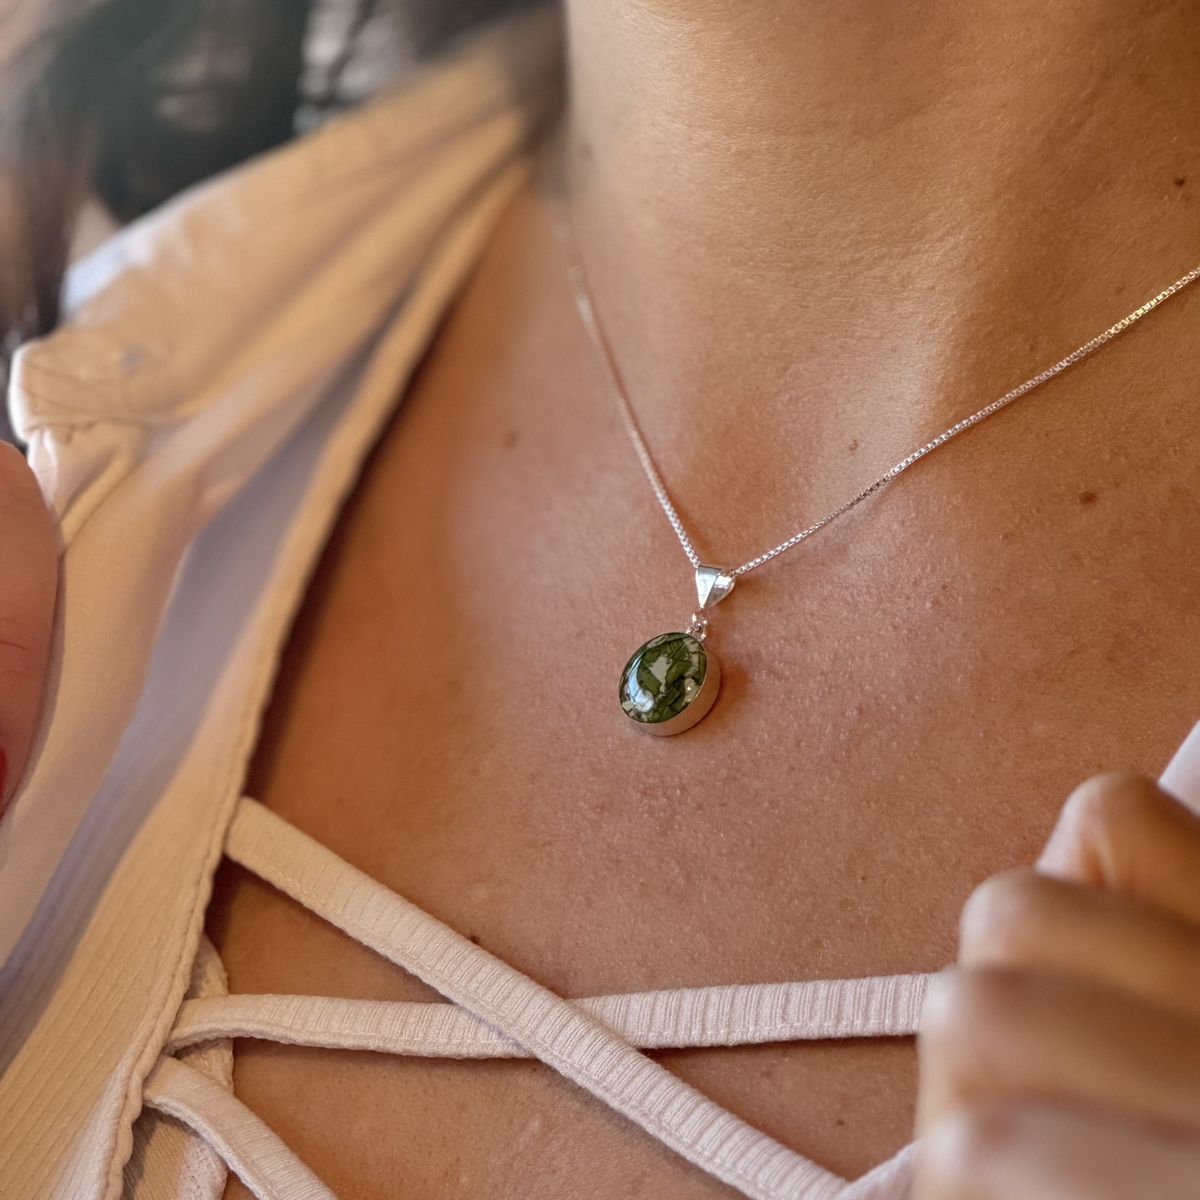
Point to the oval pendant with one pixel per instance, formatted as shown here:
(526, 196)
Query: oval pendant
(670, 683)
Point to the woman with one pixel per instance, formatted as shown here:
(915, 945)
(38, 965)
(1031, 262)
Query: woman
(816, 237)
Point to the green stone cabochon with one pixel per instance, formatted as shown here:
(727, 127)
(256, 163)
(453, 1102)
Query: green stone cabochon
(663, 677)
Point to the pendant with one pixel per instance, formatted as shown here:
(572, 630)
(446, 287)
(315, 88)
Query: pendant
(672, 680)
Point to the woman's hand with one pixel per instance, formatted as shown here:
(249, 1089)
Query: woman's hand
(28, 583)
(1060, 1060)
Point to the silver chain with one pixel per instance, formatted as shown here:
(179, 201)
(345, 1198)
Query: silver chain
(591, 322)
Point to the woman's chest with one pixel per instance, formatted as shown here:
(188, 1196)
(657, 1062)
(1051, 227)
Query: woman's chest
(905, 701)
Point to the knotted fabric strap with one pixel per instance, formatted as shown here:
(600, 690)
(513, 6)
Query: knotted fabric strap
(737, 1015)
(259, 1158)
(549, 1028)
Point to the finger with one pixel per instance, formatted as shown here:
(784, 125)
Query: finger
(28, 582)
(1023, 1151)
(1123, 833)
(992, 1034)
(1025, 920)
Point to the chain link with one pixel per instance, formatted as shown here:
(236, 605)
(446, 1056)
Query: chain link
(591, 323)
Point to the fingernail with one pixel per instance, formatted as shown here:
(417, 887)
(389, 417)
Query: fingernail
(3, 783)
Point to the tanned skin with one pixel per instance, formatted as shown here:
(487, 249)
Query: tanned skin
(818, 233)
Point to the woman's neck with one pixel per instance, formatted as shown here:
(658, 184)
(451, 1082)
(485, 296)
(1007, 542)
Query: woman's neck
(841, 216)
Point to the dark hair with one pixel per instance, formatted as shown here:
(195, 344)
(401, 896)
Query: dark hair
(131, 101)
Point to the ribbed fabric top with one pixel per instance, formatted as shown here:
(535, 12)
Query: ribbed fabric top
(496, 1011)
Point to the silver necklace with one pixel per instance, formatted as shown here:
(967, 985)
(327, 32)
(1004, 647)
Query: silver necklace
(671, 681)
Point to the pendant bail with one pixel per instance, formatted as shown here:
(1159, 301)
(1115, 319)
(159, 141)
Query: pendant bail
(713, 584)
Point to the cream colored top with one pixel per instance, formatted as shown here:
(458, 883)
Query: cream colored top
(196, 423)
